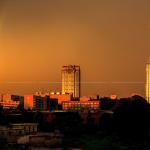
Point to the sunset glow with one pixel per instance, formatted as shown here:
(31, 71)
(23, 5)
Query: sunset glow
(106, 39)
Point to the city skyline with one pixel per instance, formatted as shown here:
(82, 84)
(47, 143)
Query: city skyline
(109, 40)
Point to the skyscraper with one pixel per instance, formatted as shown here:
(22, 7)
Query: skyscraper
(148, 81)
(71, 80)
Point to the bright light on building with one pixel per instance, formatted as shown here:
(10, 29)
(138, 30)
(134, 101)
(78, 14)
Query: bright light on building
(58, 93)
(52, 93)
(148, 81)
(113, 97)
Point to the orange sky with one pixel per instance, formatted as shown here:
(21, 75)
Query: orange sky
(108, 39)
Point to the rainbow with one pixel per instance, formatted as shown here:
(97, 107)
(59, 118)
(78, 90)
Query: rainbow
(2, 14)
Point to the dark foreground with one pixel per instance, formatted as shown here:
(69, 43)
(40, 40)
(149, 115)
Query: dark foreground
(123, 126)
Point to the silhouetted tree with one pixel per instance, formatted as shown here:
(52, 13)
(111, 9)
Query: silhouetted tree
(1, 115)
(106, 122)
(107, 103)
(131, 117)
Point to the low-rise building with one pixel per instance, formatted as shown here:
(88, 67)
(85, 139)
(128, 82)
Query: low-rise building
(81, 105)
(9, 104)
(34, 102)
(7, 101)
(12, 132)
(29, 128)
(61, 97)
(41, 140)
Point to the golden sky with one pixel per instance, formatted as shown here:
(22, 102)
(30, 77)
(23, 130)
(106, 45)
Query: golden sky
(109, 39)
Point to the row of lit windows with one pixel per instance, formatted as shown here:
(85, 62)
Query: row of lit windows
(78, 108)
(92, 106)
(77, 103)
(81, 105)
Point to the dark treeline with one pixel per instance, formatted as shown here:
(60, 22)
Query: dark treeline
(123, 124)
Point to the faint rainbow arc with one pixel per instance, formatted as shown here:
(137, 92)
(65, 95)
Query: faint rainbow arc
(2, 18)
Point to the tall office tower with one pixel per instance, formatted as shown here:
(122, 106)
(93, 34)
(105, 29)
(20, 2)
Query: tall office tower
(71, 80)
(148, 81)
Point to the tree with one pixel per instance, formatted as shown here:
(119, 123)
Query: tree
(131, 117)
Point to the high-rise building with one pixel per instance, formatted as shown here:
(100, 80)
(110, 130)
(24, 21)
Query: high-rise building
(71, 80)
(148, 81)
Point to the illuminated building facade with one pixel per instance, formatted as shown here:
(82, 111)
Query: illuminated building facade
(7, 101)
(148, 81)
(28, 101)
(113, 97)
(9, 104)
(61, 97)
(81, 105)
(34, 102)
(71, 80)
